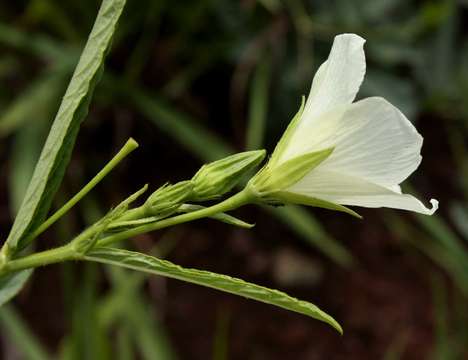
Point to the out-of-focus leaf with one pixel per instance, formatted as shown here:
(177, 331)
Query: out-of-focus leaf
(221, 335)
(258, 106)
(39, 45)
(379, 10)
(443, 348)
(299, 220)
(146, 263)
(125, 349)
(11, 284)
(394, 53)
(436, 70)
(459, 214)
(88, 339)
(397, 347)
(441, 232)
(17, 331)
(53, 15)
(126, 303)
(348, 12)
(35, 103)
(398, 91)
(434, 249)
(181, 127)
(126, 307)
(27, 143)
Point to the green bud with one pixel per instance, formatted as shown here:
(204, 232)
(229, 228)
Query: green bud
(271, 180)
(168, 198)
(219, 177)
(88, 238)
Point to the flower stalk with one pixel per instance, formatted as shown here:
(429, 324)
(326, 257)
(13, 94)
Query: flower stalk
(73, 252)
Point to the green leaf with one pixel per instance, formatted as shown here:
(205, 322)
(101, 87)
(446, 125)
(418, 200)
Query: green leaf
(17, 331)
(12, 283)
(149, 264)
(57, 149)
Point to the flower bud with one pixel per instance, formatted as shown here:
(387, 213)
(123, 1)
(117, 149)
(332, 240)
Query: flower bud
(168, 197)
(219, 177)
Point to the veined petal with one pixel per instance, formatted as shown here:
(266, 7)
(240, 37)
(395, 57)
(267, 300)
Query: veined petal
(334, 87)
(349, 190)
(338, 79)
(375, 142)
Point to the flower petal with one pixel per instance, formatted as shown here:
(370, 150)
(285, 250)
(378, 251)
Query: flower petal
(376, 142)
(348, 190)
(373, 140)
(335, 86)
(338, 79)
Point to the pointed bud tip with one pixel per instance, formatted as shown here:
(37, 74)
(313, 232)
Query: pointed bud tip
(219, 177)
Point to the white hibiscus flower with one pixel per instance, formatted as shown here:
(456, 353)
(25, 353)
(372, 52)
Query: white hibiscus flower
(336, 152)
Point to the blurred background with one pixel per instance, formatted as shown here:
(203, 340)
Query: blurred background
(196, 80)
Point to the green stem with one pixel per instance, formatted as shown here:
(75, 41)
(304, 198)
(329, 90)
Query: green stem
(47, 257)
(70, 252)
(129, 146)
(235, 201)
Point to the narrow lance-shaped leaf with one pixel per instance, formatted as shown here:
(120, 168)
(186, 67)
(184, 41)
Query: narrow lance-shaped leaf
(12, 283)
(57, 149)
(149, 264)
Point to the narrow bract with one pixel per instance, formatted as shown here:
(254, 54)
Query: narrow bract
(367, 148)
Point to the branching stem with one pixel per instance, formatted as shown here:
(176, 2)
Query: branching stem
(129, 146)
(70, 252)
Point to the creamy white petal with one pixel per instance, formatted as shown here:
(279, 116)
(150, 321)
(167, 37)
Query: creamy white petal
(335, 86)
(373, 140)
(324, 132)
(348, 190)
(338, 79)
(376, 142)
